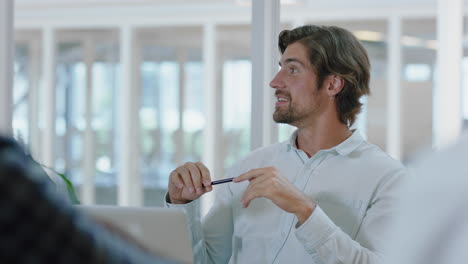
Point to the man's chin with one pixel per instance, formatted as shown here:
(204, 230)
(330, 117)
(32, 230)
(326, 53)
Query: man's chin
(281, 119)
(281, 122)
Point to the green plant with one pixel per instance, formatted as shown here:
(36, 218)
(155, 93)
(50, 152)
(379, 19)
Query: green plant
(70, 189)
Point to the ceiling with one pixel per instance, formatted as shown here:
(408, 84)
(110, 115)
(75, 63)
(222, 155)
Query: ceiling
(310, 3)
(233, 15)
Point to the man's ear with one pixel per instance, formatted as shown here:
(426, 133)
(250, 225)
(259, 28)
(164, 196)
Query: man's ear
(335, 85)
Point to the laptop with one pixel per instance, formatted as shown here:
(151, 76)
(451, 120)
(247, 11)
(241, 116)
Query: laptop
(163, 231)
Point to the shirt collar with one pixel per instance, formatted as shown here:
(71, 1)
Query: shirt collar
(350, 144)
(292, 141)
(344, 148)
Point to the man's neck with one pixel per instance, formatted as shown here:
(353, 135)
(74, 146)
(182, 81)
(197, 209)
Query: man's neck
(328, 134)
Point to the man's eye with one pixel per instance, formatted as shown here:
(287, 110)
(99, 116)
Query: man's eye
(292, 70)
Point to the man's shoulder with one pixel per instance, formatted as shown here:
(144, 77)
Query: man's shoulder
(260, 156)
(272, 148)
(265, 152)
(375, 158)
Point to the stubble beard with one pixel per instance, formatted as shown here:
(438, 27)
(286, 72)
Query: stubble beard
(287, 116)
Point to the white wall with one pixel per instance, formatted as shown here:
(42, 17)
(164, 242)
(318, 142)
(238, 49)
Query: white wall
(417, 117)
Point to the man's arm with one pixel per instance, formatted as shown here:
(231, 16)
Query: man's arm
(212, 235)
(320, 235)
(317, 232)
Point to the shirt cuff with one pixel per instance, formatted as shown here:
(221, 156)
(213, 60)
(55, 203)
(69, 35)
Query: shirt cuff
(168, 204)
(316, 230)
(191, 208)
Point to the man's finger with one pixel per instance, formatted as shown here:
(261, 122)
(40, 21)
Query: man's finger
(249, 175)
(176, 180)
(248, 196)
(196, 177)
(206, 178)
(187, 178)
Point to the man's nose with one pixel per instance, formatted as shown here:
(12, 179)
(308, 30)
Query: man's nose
(276, 82)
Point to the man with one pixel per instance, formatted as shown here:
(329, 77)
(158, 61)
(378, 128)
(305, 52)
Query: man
(325, 195)
(37, 226)
(432, 226)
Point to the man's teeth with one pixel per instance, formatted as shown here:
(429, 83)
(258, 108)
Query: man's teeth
(282, 100)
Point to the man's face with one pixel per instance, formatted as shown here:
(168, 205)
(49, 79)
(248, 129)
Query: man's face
(299, 101)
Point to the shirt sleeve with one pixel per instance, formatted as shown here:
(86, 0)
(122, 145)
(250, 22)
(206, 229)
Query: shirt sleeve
(212, 235)
(319, 234)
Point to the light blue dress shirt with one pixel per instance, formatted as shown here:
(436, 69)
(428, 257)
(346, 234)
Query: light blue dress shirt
(354, 185)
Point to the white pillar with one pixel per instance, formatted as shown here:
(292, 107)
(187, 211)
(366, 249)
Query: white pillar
(89, 157)
(213, 110)
(212, 115)
(447, 115)
(265, 55)
(48, 96)
(137, 176)
(181, 59)
(394, 88)
(6, 66)
(128, 95)
(34, 98)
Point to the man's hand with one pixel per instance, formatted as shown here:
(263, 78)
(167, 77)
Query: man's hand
(268, 183)
(188, 182)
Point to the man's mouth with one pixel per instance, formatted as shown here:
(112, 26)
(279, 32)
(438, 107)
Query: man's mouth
(281, 100)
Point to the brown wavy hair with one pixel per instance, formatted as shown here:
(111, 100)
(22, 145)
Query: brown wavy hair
(334, 50)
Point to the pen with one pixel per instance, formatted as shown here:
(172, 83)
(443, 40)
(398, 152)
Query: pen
(221, 181)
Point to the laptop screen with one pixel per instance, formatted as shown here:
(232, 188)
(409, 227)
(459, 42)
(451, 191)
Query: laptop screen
(162, 231)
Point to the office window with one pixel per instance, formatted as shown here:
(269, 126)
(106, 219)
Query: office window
(172, 104)
(235, 75)
(194, 105)
(21, 93)
(70, 102)
(80, 52)
(417, 72)
(236, 109)
(361, 120)
(104, 121)
(159, 119)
